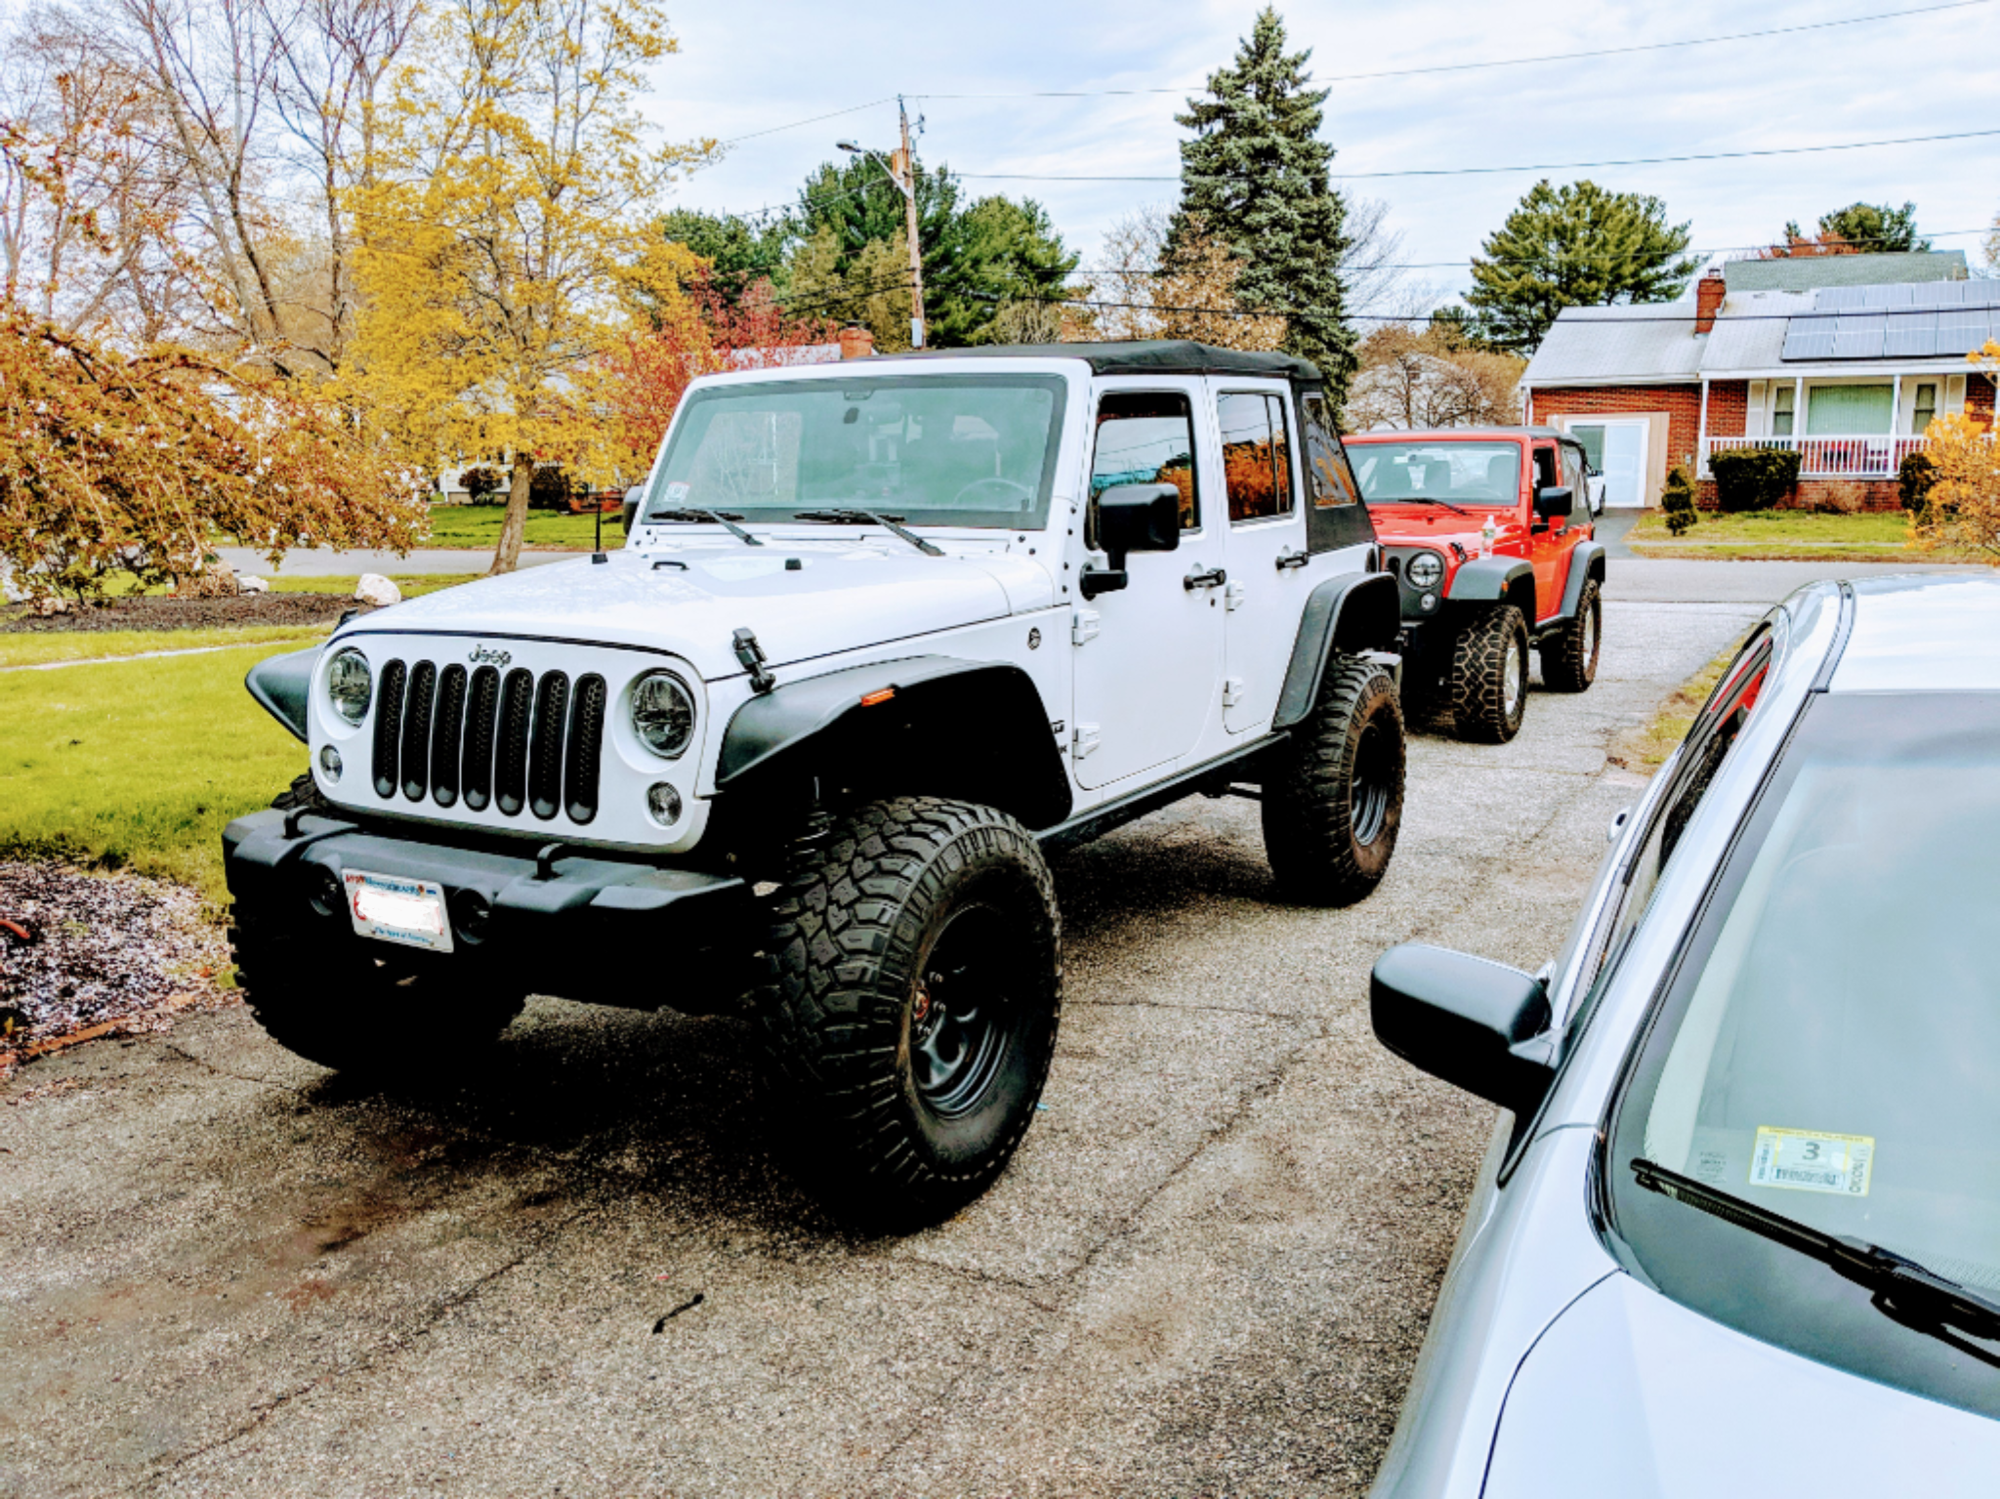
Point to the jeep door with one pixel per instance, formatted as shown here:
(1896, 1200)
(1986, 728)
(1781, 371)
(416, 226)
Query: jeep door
(1266, 555)
(1548, 547)
(1149, 656)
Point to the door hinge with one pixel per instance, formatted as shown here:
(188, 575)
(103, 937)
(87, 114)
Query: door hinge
(1083, 626)
(1232, 597)
(1085, 740)
(1232, 691)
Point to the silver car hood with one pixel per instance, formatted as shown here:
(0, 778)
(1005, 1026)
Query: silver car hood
(691, 599)
(1631, 1394)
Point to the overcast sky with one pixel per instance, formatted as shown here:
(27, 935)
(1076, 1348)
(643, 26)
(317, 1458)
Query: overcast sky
(752, 66)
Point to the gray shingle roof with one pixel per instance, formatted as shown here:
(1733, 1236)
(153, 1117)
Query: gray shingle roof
(1805, 272)
(1619, 344)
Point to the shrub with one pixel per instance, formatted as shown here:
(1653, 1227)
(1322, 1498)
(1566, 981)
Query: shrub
(1913, 481)
(1677, 500)
(480, 482)
(1753, 478)
(1962, 507)
(1840, 497)
(549, 489)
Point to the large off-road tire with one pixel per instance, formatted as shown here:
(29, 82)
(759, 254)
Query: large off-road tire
(916, 985)
(1334, 799)
(1569, 656)
(386, 1013)
(1489, 676)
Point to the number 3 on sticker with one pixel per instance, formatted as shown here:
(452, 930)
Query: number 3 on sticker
(1799, 1160)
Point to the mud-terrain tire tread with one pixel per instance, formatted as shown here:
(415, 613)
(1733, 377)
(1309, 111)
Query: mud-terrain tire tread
(1308, 798)
(844, 934)
(1565, 667)
(1478, 662)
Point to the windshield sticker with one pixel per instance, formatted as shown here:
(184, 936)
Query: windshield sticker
(1807, 1161)
(677, 493)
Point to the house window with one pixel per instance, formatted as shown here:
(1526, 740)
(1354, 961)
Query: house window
(1781, 410)
(1925, 407)
(1848, 411)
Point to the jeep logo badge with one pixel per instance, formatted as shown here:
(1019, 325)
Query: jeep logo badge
(481, 655)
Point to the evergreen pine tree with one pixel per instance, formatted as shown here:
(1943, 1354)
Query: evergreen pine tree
(1255, 177)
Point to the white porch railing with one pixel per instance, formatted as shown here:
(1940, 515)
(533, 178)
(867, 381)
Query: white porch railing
(1828, 457)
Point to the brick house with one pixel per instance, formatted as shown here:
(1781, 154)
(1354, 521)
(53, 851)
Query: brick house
(1843, 358)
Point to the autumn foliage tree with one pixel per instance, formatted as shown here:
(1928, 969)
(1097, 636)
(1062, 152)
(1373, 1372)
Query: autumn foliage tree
(1961, 509)
(511, 236)
(137, 462)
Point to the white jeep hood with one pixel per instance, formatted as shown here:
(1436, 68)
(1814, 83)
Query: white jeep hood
(692, 598)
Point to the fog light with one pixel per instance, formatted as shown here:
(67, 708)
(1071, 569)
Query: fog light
(329, 762)
(663, 804)
(1428, 602)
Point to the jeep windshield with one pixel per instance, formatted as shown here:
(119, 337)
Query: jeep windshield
(927, 450)
(1827, 1053)
(1453, 473)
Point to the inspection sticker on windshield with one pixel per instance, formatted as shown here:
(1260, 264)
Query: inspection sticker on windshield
(1806, 1161)
(677, 493)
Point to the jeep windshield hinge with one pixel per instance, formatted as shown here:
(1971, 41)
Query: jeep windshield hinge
(751, 655)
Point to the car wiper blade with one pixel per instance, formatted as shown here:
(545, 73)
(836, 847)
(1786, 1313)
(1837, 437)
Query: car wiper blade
(1905, 1289)
(1421, 499)
(886, 522)
(724, 519)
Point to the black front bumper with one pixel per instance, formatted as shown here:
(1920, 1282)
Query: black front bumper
(598, 928)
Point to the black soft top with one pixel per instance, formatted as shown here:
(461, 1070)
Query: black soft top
(1155, 356)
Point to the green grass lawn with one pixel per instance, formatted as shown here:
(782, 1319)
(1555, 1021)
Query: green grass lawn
(35, 647)
(138, 764)
(477, 527)
(1871, 528)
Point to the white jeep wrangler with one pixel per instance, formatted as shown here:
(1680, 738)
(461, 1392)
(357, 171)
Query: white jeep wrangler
(881, 634)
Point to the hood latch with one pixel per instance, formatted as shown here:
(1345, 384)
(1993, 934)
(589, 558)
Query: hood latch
(751, 655)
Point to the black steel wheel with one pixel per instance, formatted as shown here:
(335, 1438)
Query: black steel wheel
(1569, 655)
(916, 986)
(1333, 796)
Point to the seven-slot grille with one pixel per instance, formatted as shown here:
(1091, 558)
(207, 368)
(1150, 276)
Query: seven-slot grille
(515, 741)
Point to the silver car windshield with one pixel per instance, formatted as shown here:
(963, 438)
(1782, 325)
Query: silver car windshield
(1463, 473)
(948, 450)
(1829, 1047)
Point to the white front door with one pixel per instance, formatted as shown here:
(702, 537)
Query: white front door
(1149, 656)
(1266, 554)
(1618, 449)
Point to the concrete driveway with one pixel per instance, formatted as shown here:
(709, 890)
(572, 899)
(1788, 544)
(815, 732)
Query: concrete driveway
(224, 1271)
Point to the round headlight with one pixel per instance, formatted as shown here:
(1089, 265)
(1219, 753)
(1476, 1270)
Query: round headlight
(1425, 569)
(663, 713)
(349, 686)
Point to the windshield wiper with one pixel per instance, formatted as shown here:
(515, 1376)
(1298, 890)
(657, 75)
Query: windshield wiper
(1421, 499)
(723, 519)
(1905, 1289)
(886, 522)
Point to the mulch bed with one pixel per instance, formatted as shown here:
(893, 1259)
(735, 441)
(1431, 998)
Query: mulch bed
(167, 613)
(101, 955)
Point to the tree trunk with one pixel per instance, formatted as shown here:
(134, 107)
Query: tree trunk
(508, 553)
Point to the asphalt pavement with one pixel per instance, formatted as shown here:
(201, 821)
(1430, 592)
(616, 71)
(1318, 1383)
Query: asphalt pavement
(225, 1271)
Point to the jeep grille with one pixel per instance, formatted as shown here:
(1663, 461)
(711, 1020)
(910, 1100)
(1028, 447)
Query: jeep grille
(518, 742)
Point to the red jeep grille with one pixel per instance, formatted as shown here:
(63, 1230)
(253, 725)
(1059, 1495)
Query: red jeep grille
(517, 741)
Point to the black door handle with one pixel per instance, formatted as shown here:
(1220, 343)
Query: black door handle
(1215, 577)
(1293, 559)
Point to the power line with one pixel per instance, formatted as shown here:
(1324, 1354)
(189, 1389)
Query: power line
(1558, 166)
(1503, 62)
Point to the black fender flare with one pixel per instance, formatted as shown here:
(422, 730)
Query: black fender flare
(1585, 563)
(282, 686)
(1495, 580)
(969, 709)
(1354, 612)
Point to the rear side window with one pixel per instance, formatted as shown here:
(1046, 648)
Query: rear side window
(1572, 467)
(1256, 455)
(1147, 437)
(1329, 481)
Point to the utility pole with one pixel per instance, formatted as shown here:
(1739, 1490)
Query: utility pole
(905, 173)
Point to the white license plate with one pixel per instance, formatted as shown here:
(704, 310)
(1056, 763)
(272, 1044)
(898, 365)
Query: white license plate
(392, 909)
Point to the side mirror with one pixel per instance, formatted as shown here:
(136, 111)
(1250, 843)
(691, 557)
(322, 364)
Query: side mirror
(1555, 502)
(634, 498)
(1478, 1025)
(1131, 518)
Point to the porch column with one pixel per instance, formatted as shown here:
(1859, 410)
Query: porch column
(1701, 434)
(1895, 407)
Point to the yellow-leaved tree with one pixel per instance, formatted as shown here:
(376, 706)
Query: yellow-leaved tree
(508, 237)
(1961, 497)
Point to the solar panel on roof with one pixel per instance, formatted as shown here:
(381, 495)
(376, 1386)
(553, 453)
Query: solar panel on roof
(1839, 298)
(1859, 335)
(1808, 338)
(1886, 297)
(1979, 293)
(1937, 294)
(1961, 330)
(1912, 335)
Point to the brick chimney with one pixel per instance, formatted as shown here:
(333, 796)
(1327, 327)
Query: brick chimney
(856, 342)
(1708, 294)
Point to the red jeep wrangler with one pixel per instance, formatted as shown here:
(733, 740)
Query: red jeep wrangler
(1488, 532)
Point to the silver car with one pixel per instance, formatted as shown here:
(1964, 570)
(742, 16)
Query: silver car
(1740, 1232)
